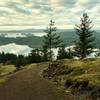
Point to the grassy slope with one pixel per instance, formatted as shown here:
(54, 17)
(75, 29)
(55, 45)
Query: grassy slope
(85, 72)
(90, 70)
(76, 73)
(4, 70)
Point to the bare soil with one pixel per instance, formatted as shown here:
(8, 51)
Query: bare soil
(29, 85)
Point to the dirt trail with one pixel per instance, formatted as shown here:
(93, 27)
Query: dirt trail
(28, 85)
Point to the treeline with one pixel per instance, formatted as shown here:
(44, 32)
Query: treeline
(36, 56)
(17, 60)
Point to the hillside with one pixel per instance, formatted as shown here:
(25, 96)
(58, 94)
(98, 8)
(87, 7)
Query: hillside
(79, 78)
(31, 41)
(69, 36)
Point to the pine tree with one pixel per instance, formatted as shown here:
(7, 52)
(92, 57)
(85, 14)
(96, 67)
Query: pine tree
(84, 45)
(35, 56)
(51, 39)
(20, 61)
(45, 53)
(62, 53)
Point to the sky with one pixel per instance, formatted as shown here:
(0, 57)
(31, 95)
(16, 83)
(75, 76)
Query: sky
(21, 14)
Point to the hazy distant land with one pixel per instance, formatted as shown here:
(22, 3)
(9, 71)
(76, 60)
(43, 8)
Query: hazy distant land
(34, 37)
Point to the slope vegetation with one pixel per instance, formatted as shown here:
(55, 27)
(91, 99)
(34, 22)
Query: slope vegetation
(78, 77)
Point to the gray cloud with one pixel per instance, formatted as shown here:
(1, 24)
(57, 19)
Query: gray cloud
(35, 11)
(68, 3)
(4, 13)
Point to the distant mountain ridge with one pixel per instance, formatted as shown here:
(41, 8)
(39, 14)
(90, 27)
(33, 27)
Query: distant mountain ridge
(22, 31)
(69, 36)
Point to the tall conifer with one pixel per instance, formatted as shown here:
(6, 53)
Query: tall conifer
(84, 45)
(51, 39)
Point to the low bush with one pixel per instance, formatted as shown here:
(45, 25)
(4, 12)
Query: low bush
(56, 68)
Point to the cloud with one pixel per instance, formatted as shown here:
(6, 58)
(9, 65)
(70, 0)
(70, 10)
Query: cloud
(63, 3)
(39, 12)
(16, 49)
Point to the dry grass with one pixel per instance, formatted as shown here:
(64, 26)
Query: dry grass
(91, 70)
(6, 69)
(3, 80)
(82, 75)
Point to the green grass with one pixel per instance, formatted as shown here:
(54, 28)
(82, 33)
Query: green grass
(85, 70)
(3, 80)
(6, 69)
(82, 74)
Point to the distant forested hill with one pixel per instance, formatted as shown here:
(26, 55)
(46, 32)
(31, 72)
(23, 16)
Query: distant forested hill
(31, 41)
(69, 36)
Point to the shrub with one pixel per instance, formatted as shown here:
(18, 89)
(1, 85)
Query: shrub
(68, 83)
(56, 68)
(96, 93)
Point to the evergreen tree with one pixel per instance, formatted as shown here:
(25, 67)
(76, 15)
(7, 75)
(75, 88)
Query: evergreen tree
(51, 39)
(20, 61)
(35, 56)
(7, 58)
(62, 53)
(70, 53)
(45, 53)
(84, 45)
